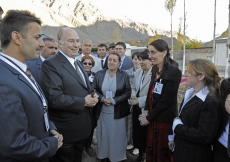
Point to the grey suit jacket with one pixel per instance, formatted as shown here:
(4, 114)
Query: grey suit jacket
(127, 64)
(23, 136)
(97, 65)
(145, 86)
(35, 67)
(65, 92)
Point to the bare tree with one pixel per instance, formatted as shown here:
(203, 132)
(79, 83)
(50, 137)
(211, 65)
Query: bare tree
(169, 6)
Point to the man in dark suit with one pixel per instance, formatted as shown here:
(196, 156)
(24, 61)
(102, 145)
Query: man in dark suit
(47, 51)
(26, 132)
(126, 62)
(67, 88)
(101, 52)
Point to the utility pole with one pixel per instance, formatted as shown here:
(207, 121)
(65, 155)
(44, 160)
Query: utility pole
(184, 41)
(214, 34)
(227, 54)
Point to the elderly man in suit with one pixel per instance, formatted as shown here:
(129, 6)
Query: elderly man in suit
(47, 51)
(126, 62)
(26, 132)
(86, 48)
(67, 88)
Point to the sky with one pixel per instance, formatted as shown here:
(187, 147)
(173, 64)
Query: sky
(199, 19)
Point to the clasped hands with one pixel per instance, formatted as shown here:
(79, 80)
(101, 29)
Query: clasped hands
(108, 101)
(133, 100)
(58, 136)
(91, 101)
(142, 118)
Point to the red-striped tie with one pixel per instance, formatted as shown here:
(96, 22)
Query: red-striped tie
(29, 74)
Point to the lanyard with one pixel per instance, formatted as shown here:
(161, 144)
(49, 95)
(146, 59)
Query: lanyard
(34, 85)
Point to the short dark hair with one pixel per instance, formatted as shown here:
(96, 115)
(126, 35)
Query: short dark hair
(114, 53)
(48, 39)
(16, 20)
(102, 45)
(144, 54)
(135, 54)
(122, 44)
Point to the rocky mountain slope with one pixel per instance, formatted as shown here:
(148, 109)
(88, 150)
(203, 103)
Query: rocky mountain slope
(86, 18)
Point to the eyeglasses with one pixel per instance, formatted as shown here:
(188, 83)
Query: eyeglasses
(152, 52)
(85, 63)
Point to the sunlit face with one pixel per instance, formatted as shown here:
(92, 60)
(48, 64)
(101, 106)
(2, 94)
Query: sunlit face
(31, 45)
(49, 49)
(136, 62)
(145, 63)
(191, 79)
(87, 65)
(101, 51)
(156, 57)
(69, 44)
(120, 50)
(113, 62)
(86, 47)
(112, 50)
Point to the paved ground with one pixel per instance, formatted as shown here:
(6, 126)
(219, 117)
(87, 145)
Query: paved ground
(87, 158)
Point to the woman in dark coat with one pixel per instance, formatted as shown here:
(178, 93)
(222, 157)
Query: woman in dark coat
(200, 114)
(161, 102)
(113, 88)
(220, 147)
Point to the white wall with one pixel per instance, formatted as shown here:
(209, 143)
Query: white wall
(221, 54)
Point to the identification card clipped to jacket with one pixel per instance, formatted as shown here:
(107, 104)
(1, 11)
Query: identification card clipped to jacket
(158, 87)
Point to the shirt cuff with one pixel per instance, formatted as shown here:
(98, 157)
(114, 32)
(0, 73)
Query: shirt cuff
(113, 101)
(171, 137)
(175, 123)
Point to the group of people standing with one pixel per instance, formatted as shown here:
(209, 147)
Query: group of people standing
(50, 107)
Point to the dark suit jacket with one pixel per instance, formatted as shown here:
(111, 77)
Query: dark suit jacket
(65, 92)
(201, 121)
(123, 93)
(35, 67)
(164, 104)
(23, 136)
(127, 64)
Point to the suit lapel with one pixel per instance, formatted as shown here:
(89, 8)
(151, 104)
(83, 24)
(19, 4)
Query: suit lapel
(85, 75)
(147, 78)
(67, 65)
(190, 103)
(124, 63)
(20, 76)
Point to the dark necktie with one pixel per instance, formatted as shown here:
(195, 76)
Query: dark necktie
(229, 138)
(102, 61)
(29, 74)
(78, 72)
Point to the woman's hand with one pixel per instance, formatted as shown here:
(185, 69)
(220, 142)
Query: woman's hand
(108, 101)
(143, 120)
(134, 100)
(171, 145)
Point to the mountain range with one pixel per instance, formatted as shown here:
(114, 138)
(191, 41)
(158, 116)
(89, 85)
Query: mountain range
(87, 20)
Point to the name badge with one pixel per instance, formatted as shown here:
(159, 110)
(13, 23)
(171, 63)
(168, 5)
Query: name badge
(158, 88)
(46, 122)
(109, 94)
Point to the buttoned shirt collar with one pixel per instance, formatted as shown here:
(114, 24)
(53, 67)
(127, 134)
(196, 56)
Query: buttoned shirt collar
(23, 66)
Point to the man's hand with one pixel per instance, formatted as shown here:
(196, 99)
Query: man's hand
(91, 101)
(227, 104)
(58, 136)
